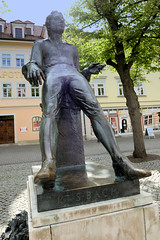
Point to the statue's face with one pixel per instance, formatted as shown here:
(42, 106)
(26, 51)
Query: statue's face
(57, 23)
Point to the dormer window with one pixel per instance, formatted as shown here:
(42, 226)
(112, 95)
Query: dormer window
(2, 25)
(18, 32)
(18, 29)
(29, 28)
(28, 31)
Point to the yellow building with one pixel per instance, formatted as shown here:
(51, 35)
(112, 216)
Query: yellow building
(20, 112)
(109, 92)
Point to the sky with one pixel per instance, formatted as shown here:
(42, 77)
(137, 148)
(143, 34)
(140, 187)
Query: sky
(35, 10)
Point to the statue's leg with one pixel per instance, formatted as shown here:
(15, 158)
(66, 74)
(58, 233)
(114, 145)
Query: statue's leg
(48, 136)
(48, 132)
(83, 95)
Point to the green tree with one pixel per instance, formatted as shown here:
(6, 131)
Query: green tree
(126, 36)
(3, 7)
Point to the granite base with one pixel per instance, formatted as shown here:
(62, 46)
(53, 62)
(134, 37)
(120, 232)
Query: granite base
(132, 217)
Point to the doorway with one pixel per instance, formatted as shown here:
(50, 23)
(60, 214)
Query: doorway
(6, 129)
(124, 125)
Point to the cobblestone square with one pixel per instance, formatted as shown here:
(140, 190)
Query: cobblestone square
(14, 171)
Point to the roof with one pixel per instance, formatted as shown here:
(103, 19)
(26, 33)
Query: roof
(28, 22)
(38, 32)
(1, 19)
(17, 21)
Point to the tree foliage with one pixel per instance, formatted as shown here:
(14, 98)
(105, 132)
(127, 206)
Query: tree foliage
(125, 35)
(134, 23)
(3, 7)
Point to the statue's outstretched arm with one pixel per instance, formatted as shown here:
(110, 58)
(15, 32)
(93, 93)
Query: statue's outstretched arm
(94, 68)
(32, 70)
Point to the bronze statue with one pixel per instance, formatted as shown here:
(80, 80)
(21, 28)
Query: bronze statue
(57, 63)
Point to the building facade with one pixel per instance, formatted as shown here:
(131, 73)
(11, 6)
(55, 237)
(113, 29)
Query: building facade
(109, 92)
(20, 111)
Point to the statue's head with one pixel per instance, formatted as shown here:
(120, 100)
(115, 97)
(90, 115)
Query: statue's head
(55, 22)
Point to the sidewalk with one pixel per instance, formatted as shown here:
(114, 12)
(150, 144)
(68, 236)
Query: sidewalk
(16, 163)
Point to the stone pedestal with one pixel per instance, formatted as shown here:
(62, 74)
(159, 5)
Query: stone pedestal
(79, 185)
(70, 150)
(131, 217)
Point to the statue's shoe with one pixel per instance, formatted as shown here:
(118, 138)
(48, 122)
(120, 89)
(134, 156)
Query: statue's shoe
(44, 176)
(46, 173)
(124, 168)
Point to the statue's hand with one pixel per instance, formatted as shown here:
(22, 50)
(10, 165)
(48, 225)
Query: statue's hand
(95, 68)
(33, 74)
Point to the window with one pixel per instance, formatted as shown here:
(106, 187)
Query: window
(6, 60)
(139, 89)
(21, 90)
(35, 92)
(19, 60)
(158, 114)
(92, 86)
(36, 123)
(148, 120)
(120, 89)
(7, 90)
(28, 31)
(98, 89)
(0, 28)
(18, 32)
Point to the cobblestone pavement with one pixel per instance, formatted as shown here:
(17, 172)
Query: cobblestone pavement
(13, 191)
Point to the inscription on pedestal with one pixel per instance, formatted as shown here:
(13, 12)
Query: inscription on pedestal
(83, 187)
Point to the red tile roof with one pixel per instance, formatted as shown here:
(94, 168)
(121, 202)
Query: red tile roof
(17, 21)
(1, 19)
(28, 22)
(7, 34)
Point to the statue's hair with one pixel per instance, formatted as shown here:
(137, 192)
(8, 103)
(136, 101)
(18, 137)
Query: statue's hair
(50, 16)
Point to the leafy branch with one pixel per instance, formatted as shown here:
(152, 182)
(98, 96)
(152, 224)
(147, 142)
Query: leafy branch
(4, 7)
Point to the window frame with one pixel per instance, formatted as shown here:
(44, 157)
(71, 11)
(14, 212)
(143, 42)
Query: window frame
(34, 88)
(95, 85)
(149, 117)
(20, 57)
(26, 31)
(7, 97)
(21, 97)
(120, 89)
(137, 90)
(17, 35)
(100, 89)
(6, 59)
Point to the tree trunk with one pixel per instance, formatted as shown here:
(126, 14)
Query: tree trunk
(134, 113)
(120, 64)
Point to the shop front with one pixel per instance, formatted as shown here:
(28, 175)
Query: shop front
(121, 123)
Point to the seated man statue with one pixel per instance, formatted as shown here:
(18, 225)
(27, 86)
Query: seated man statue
(57, 63)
